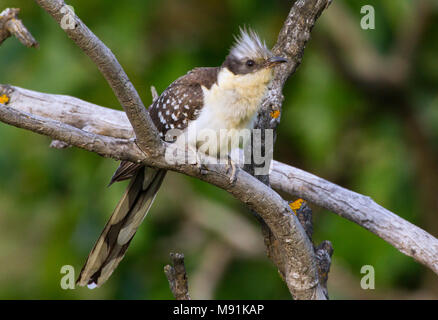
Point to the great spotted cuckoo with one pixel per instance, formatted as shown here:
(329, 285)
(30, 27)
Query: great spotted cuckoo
(217, 98)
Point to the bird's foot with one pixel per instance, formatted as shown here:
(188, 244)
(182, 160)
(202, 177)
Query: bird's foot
(195, 158)
(203, 169)
(231, 165)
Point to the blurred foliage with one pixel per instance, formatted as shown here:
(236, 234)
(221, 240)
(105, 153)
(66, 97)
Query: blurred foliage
(53, 204)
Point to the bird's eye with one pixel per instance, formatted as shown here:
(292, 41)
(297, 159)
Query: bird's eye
(250, 63)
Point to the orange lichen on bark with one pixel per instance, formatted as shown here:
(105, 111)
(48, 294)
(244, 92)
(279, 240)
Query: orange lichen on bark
(296, 205)
(4, 99)
(275, 114)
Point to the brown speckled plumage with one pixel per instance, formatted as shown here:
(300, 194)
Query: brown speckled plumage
(179, 104)
(182, 101)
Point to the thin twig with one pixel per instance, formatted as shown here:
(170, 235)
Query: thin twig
(10, 25)
(154, 93)
(324, 250)
(177, 277)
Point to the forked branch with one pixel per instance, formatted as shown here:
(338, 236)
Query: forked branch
(10, 25)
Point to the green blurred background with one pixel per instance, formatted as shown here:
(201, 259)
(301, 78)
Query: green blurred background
(380, 141)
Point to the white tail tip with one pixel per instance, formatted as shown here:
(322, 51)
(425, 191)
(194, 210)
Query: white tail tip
(92, 286)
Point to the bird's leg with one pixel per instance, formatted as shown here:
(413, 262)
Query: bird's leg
(191, 154)
(231, 165)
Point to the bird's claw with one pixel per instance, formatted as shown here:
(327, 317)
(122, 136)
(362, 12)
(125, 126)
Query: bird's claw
(232, 165)
(201, 166)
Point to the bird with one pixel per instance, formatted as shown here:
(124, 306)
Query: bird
(227, 97)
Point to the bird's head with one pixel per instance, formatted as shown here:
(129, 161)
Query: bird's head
(249, 55)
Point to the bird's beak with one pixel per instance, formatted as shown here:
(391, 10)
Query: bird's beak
(273, 61)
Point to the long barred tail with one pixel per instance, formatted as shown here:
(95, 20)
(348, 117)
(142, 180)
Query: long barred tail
(112, 244)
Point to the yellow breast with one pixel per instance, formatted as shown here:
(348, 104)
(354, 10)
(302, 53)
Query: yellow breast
(235, 99)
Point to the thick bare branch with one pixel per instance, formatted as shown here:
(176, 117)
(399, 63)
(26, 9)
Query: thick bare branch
(360, 209)
(113, 72)
(403, 235)
(109, 147)
(69, 110)
(291, 42)
(10, 25)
